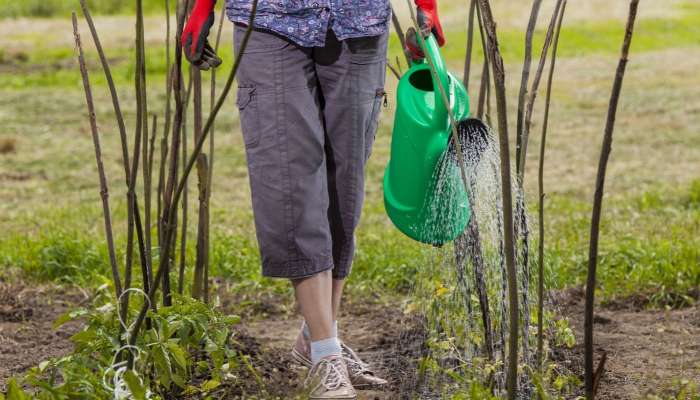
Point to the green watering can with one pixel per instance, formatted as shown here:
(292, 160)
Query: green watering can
(424, 194)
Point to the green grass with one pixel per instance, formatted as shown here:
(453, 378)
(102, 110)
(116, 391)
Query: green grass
(649, 246)
(42, 66)
(63, 8)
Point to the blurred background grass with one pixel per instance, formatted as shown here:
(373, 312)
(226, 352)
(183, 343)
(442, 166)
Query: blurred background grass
(650, 245)
(62, 8)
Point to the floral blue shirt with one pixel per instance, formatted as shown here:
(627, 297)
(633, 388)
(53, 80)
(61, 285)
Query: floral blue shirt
(306, 22)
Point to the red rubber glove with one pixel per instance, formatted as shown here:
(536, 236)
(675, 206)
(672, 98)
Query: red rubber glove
(194, 36)
(429, 22)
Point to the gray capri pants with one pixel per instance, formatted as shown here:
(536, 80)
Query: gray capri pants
(309, 116)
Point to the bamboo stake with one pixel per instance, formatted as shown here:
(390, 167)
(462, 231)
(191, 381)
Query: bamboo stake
(484, 88)
(522, 94)
(132, 201)
(185, 195)
(473, 246)
(169, 206)
(166, 128)
(210, 175)
(138, 82)
(202, 175)
(142, 112)
(540, 185)
(393, 70)
(470, 41)
(193, 157)
(148, 276)
(598, 200)
(535, 88)
(104, 190)
(522, 228)
(202, 253)
(499, 79)
(400, 33)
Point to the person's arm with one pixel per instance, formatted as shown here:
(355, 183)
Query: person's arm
(429, 22)
(194, 36)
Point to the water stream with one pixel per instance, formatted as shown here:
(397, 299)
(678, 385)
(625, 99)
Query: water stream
(461, 291)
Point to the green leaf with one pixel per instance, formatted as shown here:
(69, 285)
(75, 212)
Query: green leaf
(178, 379)
(14, 392)
(135, 385)
(178, 354)
(84, 337)
(209, 385)
(162, 365)
(231, 319)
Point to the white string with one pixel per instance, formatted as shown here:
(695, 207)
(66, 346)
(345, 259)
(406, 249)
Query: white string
(127, 329)
(119, 388)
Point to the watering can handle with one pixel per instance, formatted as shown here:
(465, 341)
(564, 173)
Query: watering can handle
(432, 52)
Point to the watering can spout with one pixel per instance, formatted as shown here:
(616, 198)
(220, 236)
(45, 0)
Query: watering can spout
(423, 193)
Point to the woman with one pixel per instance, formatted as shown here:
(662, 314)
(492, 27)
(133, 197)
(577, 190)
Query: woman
(310, 87)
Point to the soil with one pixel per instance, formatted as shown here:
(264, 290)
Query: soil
(648, 351)
(383, 337)
(27, 336)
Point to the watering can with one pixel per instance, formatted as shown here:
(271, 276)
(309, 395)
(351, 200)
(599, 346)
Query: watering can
(424, 194)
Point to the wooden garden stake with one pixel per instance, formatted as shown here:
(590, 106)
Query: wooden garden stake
(171, 211)
(470, 45)
(132, 201)
(104, 190)
(530, 104)
(525, 79)
(598, 201)
(402, 36)
(169, 73)
(210, 169)
(507, 198)
(540, 185)
(484, 87)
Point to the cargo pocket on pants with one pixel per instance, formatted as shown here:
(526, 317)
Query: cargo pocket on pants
(248, 110)
(373, 124)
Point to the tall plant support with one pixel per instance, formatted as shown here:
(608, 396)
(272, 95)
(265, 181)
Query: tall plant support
(171, 212)
(499, 79)
(104, 189)
(598, 201)
(541, 194)
(470, 45)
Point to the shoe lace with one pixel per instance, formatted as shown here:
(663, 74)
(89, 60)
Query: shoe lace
(354, 364)
(334, 376)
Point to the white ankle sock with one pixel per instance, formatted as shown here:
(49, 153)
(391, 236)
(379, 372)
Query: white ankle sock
(307, 333)
(324, 348)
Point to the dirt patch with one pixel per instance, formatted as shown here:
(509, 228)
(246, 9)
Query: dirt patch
(648, 351)
(27, 336)
(383, 337)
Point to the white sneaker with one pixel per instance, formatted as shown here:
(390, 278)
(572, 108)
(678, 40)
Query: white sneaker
(329, 380)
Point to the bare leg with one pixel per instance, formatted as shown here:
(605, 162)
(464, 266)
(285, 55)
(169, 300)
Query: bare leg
(314, 295)
(337, 295)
